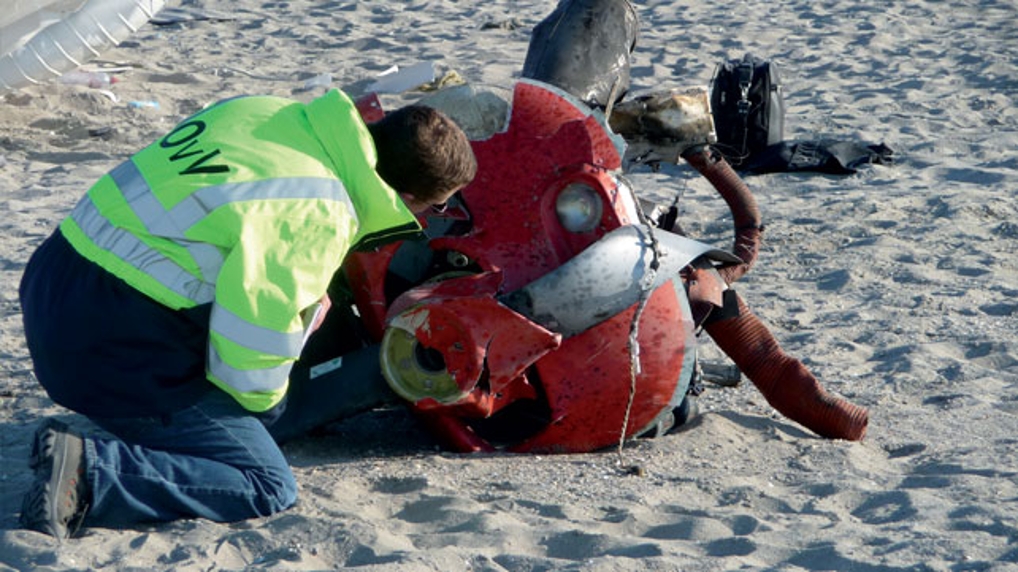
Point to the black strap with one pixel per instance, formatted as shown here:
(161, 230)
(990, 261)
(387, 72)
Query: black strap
(745, 73)
(745, 70)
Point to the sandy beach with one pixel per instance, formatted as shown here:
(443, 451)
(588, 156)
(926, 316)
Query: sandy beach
(896, 285)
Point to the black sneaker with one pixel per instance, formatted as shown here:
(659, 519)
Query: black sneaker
(57, 500)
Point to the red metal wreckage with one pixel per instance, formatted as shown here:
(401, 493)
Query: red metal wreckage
(547, 314)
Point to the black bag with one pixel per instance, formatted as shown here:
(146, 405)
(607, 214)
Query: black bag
(748, 108)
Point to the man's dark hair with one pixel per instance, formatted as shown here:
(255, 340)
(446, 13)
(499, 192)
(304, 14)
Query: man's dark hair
(422, 152)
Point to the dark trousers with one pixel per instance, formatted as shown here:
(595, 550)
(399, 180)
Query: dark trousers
(182, 448)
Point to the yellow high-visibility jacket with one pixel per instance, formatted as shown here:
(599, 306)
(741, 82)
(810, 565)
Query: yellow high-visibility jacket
(251, 206)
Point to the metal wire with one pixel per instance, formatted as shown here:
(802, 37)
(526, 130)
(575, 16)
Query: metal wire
(634, 326)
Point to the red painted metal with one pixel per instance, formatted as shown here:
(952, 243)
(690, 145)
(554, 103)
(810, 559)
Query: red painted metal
(588, 379)
(502, 360)
(370, 107)
(549, 144)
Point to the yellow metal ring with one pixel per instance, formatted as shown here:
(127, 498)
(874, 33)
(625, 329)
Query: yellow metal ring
(407, 376)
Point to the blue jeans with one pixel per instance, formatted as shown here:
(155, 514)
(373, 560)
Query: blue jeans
(214, 459)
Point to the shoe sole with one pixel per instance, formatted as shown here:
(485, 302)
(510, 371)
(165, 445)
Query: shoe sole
(62, 457)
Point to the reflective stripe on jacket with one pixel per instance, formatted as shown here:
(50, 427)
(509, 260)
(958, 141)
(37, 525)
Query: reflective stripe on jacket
(249, 205)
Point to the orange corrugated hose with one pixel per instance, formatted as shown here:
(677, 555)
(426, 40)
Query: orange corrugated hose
(741, 203)
(786, 383)
(783, 380)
